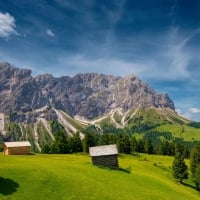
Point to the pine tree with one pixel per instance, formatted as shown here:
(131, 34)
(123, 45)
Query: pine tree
(195, 158)
(148, 147)
(179, 168)
(140, 146)
(133, 142)
(123, 143)
(60, 144)
(46, 149)
(166, 148)
(104, 139)
(75, 144)
(126, 144)
(89, 141)
(179, 148)
(197, 177)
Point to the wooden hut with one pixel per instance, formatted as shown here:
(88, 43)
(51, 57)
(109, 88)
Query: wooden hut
(105, 155)
(16, 148)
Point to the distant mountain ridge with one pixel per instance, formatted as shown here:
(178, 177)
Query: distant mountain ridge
(88, 95)
(30, 105)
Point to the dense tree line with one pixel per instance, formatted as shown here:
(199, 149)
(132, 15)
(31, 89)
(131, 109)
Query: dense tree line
(64, 144)
(14, 131)
(126, 143)
(129, 144)
(194, 124)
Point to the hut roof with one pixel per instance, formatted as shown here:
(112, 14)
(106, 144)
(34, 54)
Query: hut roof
(103, 150)
(17, 144)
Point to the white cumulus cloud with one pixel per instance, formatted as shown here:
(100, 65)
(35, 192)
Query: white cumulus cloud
(7, 25)
(194, 110)
(50, 33)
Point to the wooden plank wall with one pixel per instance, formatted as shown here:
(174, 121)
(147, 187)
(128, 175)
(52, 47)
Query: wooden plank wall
(110, 161)
(17, 150)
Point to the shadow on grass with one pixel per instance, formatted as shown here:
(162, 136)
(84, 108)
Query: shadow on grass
(31, 154)
(189, 185)
(8, 186)
(127, 170)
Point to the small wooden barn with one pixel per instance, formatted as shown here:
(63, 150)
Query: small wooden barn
(16, 148)
(105, 155)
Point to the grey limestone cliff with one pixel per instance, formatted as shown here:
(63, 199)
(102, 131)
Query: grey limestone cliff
(89, 95)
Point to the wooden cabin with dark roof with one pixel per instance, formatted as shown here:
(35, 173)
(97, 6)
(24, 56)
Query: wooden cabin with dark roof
(16, 148)
(105, 155)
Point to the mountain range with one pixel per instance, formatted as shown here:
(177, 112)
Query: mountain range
(78, 101)
(88, 95)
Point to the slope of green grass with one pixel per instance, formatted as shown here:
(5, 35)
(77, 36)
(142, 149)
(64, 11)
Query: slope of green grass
(62, 177)
(181, 131)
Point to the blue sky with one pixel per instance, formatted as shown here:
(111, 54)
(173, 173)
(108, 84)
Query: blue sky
(157, 40)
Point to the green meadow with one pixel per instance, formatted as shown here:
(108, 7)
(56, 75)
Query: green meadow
(62, 177)
(181, 131)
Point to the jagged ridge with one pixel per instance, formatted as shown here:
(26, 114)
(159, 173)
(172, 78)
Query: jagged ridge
(76, 102)
(88, 95)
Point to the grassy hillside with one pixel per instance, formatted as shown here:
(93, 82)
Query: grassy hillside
(51, 177)
(185, 132)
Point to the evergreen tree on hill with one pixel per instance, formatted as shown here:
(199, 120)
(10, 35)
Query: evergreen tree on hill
(179, 168)
(197, 177)
(148, 147)
(60, 144)
(89, 141)
(75, 144)
(195, 158)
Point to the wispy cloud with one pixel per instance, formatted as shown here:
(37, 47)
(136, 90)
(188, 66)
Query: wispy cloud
(171, 58)
(50, 33)
(176, 55)
(194, 110)
(192, 113)
(7, 25)
(113, 17)
(77, 5)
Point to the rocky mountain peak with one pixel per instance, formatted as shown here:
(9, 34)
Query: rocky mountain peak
(89, 95)
(8, 71)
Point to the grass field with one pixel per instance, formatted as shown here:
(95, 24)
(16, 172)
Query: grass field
(181, 131)
(62, 177)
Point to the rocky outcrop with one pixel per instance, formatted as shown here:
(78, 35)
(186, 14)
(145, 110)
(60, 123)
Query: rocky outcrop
(88, 95)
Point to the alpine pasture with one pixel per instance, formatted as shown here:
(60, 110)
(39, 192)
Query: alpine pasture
(73, 177)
